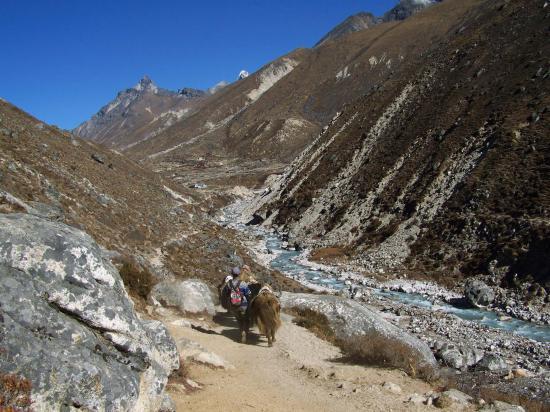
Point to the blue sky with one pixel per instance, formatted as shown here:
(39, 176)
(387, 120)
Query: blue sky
(61, 60)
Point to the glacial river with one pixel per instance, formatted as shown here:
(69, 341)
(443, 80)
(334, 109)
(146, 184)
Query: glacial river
(286, 262)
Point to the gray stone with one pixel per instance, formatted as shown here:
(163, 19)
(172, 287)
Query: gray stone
(499, 406)
(453, 398)
(493, 363)
(452, 357)
(417, 399)
(52, 212)
(69, 326)
(392, 387)
(190, 296)
(457, 357)
(478, 293)
(167, 404)
(192, 351)
(98, 158)
(365, 334)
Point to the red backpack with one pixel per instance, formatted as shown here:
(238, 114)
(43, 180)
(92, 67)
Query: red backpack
(236, 296)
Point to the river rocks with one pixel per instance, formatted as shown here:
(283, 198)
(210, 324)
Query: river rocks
(492, 363)
(457, 357)
(478, 293)
(69, 326)
(189, 296)
(453, 398)
(364, 333)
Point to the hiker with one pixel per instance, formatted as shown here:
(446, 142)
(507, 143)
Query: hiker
(239, 298)
(224, 289)
(239, 292)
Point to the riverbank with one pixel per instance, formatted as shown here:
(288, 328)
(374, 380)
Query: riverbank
(476, 355)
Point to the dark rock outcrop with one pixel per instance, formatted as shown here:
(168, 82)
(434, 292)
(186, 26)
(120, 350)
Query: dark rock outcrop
(407, 8)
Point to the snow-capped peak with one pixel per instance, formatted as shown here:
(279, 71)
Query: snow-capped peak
(243, 74)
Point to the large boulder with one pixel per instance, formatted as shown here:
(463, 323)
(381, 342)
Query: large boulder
(189, 296)
(478, 293)
(68, 325)
(364, 334)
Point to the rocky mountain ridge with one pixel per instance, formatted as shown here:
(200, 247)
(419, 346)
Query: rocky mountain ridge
(289, 106)
(365, 20)
(138, 113)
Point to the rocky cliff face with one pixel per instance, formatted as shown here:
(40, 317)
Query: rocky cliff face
(138, 113)
(442, 168)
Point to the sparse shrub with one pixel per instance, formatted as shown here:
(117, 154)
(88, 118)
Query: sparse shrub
(137, 279)
(315, 322)
(380, 351)
(15, 393)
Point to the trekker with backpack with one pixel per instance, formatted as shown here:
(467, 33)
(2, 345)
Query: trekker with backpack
(239, 292)
(239, 298)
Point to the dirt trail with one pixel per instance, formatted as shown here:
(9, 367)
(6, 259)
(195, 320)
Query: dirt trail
(300, 373)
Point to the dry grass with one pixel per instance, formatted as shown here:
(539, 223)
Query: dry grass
(15, 393)
(315, 322)
(369, 350)
(137, 279)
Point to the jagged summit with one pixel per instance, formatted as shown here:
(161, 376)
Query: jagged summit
(365, 20)
(145, 106)
(146, 84)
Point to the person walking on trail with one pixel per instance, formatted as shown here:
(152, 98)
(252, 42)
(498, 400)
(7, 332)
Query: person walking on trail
(239, 299)
(224, 290)
(239, 292)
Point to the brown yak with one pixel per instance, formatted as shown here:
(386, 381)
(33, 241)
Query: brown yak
(265, 311)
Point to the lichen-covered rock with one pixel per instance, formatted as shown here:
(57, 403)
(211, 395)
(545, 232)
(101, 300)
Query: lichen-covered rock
(189, 296)
(365, 334)
(68, 325)
(492, 362)
(478, 293)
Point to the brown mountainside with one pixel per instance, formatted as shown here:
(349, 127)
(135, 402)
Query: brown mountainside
(274, 113)
(444, 167)
(160, 229)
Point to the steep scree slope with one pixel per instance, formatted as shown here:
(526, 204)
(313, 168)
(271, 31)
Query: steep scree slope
(443, 169)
